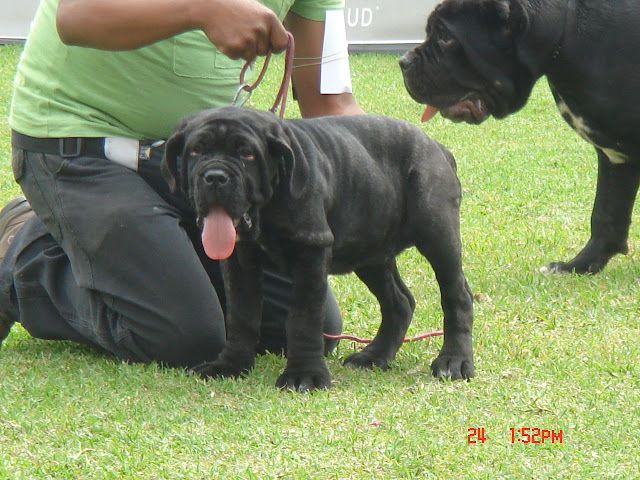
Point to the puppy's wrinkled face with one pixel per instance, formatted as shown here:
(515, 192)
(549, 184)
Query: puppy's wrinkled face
(224, 182)
(465, 69)
(223, 164)
(221, 168)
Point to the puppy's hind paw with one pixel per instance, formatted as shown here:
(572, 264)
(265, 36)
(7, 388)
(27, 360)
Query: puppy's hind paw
(453, 367)
(365, 361)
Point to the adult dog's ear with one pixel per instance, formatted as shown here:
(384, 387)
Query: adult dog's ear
(295, 169)
(173, 149)
(495, 9)
(488, 31)
(507, 16)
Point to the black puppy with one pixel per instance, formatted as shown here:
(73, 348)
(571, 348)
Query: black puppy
(327, 195)
(482, 58)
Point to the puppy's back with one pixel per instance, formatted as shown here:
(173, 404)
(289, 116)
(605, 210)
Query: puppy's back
(383, 138)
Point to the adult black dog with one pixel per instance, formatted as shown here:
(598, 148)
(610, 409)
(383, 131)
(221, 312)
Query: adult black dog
(319, 196)
(482, 58)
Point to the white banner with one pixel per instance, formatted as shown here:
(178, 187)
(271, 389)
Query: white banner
(387, 22)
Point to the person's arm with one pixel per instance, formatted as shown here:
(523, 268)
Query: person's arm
(309, 35)
(238, 28)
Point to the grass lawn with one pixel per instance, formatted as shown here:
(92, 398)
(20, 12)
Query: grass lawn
(551, 352)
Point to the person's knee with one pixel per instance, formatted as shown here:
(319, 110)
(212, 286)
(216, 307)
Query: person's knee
(192, 350)
(184, 346)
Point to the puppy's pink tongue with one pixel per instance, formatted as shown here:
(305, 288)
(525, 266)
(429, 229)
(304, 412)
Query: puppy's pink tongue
(428, 113)
(218, 234)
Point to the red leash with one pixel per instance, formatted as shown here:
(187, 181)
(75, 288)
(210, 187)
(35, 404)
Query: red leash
(368, 340)
(281, 97)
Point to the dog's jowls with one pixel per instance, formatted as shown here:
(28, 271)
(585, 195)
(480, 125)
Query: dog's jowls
(481, 58)
(319, 196)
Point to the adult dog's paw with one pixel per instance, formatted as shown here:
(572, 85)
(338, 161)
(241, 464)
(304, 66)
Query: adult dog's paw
(304, 380)
(555, 267)
(366, 360)
(453, 367)
(218, 368)
(582, 264)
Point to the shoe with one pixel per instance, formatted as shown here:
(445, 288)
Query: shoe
(12, 217)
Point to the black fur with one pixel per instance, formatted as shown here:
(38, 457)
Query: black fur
(319, 196)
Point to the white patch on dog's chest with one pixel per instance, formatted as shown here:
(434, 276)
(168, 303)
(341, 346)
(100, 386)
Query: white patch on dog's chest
(580, 126)
(615, 157)
(577, 123)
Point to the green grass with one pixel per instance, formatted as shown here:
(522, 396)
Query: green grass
(553, 352)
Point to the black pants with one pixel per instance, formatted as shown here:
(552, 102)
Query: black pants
(115, 260)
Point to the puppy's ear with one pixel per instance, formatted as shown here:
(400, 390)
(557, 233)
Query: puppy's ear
(173, 149)
(295, 169)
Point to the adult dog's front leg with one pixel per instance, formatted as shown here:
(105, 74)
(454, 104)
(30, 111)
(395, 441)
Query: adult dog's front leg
(242, 274)
(306, 369)
(615, 195)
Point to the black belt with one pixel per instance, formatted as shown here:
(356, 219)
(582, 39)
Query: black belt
(67, 147)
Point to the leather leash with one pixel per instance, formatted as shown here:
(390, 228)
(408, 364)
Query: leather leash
(281, 97)
(368, 340)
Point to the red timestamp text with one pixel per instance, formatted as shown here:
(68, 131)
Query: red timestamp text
(476, 435)
(518, 435)
(535, 435)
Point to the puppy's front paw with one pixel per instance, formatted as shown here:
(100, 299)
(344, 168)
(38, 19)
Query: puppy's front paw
(219, 368)
(366, 360)
(454, 367)
(304, 380)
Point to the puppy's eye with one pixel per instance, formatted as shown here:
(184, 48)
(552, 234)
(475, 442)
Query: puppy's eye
(195, 152)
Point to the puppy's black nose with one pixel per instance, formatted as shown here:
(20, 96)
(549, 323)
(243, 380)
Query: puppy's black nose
(215, 175)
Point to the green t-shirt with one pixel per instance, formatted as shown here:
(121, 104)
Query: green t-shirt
(63, 91)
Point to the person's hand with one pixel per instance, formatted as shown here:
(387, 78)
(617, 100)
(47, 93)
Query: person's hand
(242, 28)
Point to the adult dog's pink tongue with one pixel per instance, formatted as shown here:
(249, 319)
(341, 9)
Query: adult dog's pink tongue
(218, 234)
(428, 113)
